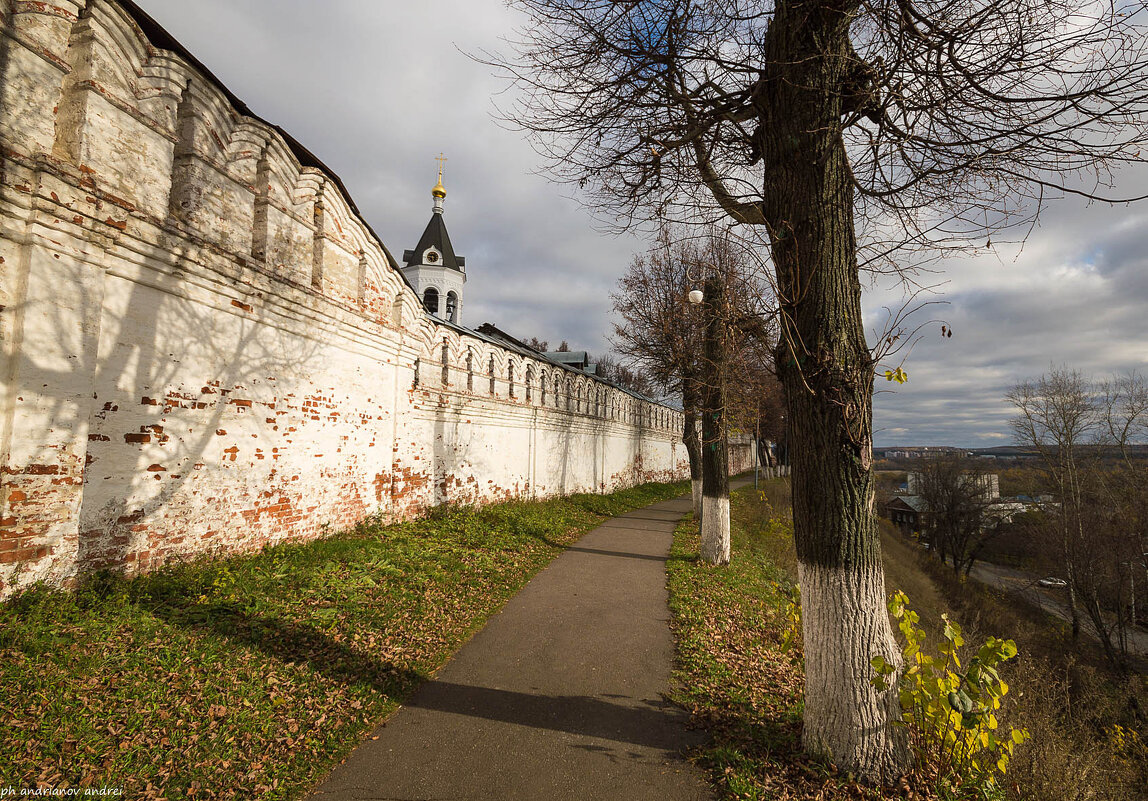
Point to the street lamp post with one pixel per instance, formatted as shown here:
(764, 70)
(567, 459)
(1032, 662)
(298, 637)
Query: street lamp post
(715, 459)
(715, 543)
(691, 401)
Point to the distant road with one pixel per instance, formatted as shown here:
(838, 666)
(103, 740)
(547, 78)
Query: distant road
(1024, 585)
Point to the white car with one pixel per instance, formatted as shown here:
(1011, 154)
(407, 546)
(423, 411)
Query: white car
(1053, 581)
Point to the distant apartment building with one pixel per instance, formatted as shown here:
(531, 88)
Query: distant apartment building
(989, 483)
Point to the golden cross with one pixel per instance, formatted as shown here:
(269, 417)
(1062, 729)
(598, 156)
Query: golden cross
(440, 158)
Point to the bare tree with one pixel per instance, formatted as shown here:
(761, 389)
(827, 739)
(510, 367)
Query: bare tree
(1124, 411)
(1098, 511)
(1057, 414)
(957, 495)
(692, 352)
(844, 133)
(626, 377)
(1120, 506)
(714, 380)
(661, 334)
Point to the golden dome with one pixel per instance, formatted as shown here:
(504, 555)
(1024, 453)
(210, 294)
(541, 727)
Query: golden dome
(439, 190)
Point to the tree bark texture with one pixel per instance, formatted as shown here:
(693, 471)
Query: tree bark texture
(715, 545)
(827, 372)
(848, 713)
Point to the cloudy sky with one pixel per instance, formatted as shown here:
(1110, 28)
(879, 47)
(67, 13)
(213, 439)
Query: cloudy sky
(377, 88)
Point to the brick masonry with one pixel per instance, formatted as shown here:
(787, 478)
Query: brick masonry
(206, 350)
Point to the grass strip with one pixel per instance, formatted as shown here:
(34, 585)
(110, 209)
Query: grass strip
(739, 669)
(253, 676)
(743, 684)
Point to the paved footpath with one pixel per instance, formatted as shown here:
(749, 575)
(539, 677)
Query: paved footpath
(558, 697)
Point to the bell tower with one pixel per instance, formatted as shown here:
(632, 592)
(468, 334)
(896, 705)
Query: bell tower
(432, 267)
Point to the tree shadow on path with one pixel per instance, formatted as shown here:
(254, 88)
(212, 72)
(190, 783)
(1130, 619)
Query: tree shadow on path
(656, 724)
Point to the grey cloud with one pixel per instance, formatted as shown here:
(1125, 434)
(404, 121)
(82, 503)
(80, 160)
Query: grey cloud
(377, 89)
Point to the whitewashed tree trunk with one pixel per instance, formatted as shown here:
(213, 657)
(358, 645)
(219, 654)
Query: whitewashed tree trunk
(715, 545)
(827, 369)
(715, 530)
(844, 713)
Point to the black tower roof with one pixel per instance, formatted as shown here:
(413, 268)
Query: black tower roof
(435, 235)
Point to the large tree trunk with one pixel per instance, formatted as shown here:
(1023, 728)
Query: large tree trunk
(690, 438)
(826, 369)
(715, 544)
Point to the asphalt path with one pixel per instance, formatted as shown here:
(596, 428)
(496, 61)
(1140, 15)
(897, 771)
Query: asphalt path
(560, 696)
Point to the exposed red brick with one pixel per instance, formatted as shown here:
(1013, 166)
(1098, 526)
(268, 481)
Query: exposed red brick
(41, 470)
(137, 438)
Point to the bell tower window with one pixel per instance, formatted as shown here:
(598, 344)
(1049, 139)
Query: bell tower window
(430, 300)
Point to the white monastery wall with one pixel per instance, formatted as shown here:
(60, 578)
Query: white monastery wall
(205, 349)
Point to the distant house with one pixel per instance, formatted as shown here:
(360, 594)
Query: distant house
(1003, 511)
(908, 512)
(578, 359)
(905, 512)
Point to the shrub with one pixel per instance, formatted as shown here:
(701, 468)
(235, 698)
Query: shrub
(950, 711)
(787, 602)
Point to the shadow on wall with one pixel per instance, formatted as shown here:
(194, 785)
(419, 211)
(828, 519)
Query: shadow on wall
(453, 441)
(187, 302)
(153, 376)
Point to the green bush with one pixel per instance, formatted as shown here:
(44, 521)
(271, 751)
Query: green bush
(949, 710)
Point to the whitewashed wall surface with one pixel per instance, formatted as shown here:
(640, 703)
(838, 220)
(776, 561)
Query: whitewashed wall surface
(205, 349)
